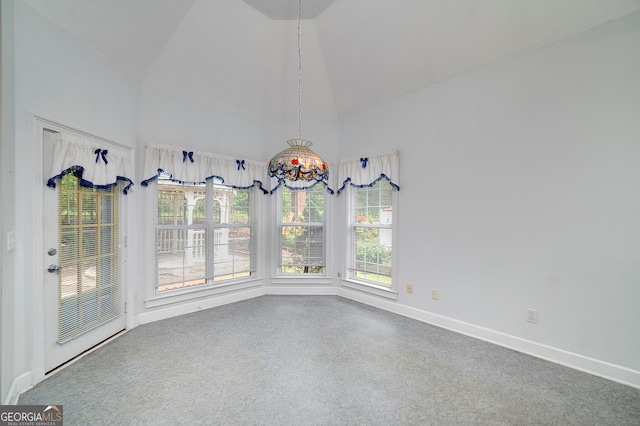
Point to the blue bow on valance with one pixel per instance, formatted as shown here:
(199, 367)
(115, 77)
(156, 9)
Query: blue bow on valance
(364, 172)
(164, 160)
(101, 152)
(81, 157)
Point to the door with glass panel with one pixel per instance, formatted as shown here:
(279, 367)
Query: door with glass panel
(83, 295)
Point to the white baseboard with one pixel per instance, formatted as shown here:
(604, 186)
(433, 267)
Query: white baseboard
(170, 311)
(302, 290)
(19, 385)
(576, 361)
(198, 305)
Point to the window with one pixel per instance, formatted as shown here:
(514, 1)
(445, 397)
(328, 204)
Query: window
(204, 234)
(232, 233)
(88, 256)
(302, 230)
(371, 222)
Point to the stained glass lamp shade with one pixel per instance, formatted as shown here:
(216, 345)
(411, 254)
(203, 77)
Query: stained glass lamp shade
(298, 162)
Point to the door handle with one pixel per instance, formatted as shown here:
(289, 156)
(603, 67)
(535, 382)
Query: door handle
(54, 268)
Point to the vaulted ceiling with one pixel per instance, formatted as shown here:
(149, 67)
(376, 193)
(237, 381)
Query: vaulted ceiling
(242, 54)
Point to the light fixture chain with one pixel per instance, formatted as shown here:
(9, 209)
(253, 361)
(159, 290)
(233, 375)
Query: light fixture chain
(299, 71)
(298, 162)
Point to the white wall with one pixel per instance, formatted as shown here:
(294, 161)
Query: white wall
(58, 78)
(519, 189)
(7, 196)
(173, 119)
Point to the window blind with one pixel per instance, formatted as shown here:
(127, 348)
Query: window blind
(88, 287)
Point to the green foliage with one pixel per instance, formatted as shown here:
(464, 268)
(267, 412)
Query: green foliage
(199, 211)
(373, 252)
(303, 269)
(290, 235)
(240, 207)
(382, 279)
(303, 242)
(216, 211)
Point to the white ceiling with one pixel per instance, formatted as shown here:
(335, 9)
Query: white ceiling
(242, 54)
(288, 9)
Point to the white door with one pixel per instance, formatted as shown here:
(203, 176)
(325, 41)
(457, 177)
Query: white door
(83, 294)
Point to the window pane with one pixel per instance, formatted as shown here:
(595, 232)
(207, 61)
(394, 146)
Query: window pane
(108, 269)
(89, 274)
(303, 206)
(69, 243)
(373, 254)
(232, 253)
(232, 244)
(181, 257)
(170, 204)
(106, 209)
(240, 207)
(373, 205)
(107, 236)
(231, 205)
(68, 207)
(302, 231)
(372, 234)
(89, 241)
(197, 207)
(68, 281)
(180, 204)
(303, 247)
(89, 208)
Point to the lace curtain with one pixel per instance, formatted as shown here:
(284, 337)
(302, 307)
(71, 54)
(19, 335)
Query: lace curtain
(97, 165)
(366, 171)
(189, 166)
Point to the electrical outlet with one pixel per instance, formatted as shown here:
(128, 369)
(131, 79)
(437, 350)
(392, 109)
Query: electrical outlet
(532, 316)
(339, 274)
(435, 294)
(409, 288)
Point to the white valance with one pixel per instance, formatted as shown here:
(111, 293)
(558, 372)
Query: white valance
(98, 165)
(366, 171)
(191, 166)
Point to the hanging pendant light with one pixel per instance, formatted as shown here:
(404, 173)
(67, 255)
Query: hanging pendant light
(299, 162)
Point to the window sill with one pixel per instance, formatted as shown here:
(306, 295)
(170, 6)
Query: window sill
(201, 291)
(296, 280)
(385, 292)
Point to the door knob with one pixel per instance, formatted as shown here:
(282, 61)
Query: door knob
(54, 268)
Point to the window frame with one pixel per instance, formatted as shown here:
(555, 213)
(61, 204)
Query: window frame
(182, 227)
(210, 286)
(348, 274)
(251, 224)
(278, 241)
